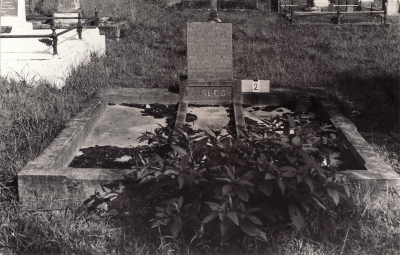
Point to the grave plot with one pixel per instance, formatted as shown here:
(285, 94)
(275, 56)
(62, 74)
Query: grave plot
(49, 182)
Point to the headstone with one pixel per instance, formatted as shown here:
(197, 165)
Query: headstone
(68, 5)
(13, 15)
(9, 8)
(67, 8)
(393, 7)
(209, 51)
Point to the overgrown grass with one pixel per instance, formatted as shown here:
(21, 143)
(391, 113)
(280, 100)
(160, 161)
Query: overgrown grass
(360, 69)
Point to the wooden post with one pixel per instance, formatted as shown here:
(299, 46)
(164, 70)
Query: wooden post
(96, 18)
(79, 27)
(384, 14)
(338, 14)
(53, 36)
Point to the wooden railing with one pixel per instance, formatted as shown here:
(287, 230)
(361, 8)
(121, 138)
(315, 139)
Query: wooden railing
(289, 14)
(54, 36)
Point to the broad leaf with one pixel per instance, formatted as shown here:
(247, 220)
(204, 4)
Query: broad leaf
(281, 186)
(296, 141)
(213, 206)
(226, 189)
(210, 217)
(201, 143)
(180, 202)
(333, 194)
(288, 171)
(254, 219)
(295, 215)
(265, 187)
(175, 226)
(248, 227)
(242, 193)
(181, 181)
(184, 162)
(291, 122)
(233, 217)
(309, 183)
(269, 176)
(179, 150)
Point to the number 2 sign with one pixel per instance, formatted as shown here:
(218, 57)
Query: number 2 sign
(256, 86)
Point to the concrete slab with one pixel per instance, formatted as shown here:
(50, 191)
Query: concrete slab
(33, 61)
(48, 183)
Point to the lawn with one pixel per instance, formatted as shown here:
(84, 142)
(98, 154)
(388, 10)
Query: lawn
(359, 69)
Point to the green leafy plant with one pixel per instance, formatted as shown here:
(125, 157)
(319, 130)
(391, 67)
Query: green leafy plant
(209, 183)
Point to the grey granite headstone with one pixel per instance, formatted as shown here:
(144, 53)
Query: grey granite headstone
(9, 8)
(209, 51)
(68, 5)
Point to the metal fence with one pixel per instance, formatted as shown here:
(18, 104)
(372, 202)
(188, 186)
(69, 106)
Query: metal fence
(52, 39)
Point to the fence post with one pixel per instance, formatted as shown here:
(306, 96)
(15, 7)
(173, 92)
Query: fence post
(96, 17)
(292, 17)
(384, 14)
(338, 16)
(54, 37)
(79, 27)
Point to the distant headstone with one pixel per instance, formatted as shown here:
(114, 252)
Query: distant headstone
(393, 7)
(13, 15)
(68, 5)
(209, 51)
(67, 8)
(9, 8)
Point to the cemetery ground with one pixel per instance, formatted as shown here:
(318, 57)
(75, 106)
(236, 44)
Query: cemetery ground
(358, 67)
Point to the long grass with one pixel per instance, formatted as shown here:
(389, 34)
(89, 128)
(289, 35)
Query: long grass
(359, 68)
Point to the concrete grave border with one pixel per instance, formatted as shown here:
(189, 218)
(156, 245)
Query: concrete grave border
(47, 183)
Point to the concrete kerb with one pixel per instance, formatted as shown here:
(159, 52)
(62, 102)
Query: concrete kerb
(47, 183)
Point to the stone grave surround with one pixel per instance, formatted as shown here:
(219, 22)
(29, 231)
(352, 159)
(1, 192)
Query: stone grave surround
(13, 15)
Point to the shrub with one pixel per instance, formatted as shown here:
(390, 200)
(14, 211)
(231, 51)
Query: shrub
(277, 172)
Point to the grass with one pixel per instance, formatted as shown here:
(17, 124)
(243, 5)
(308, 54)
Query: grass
(359, 69)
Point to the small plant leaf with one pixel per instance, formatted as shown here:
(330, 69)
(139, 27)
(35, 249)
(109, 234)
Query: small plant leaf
(223, 227)
(201, 143)
(184, 162)
(244, 182)
(226, 189)
(333, 194)
(347, 189)
(281, 186)
(181, 181)
(296, 141)
(210, 217)
(175, 226)
(233, 217)
(305, 206)
(291, 122)
(213, 206)
(288, 171)
(269, 176)
(254, 219)
(248, 227)
(180, 202)
(242, 193)
(179, 150)
(309, 183)
(265, 188)
(295, 215)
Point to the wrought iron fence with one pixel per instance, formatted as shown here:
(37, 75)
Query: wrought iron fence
(287, 12)
(52, 39)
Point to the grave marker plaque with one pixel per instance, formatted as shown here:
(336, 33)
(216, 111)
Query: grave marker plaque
(210, 93)
(209, 51)
(9, 8)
